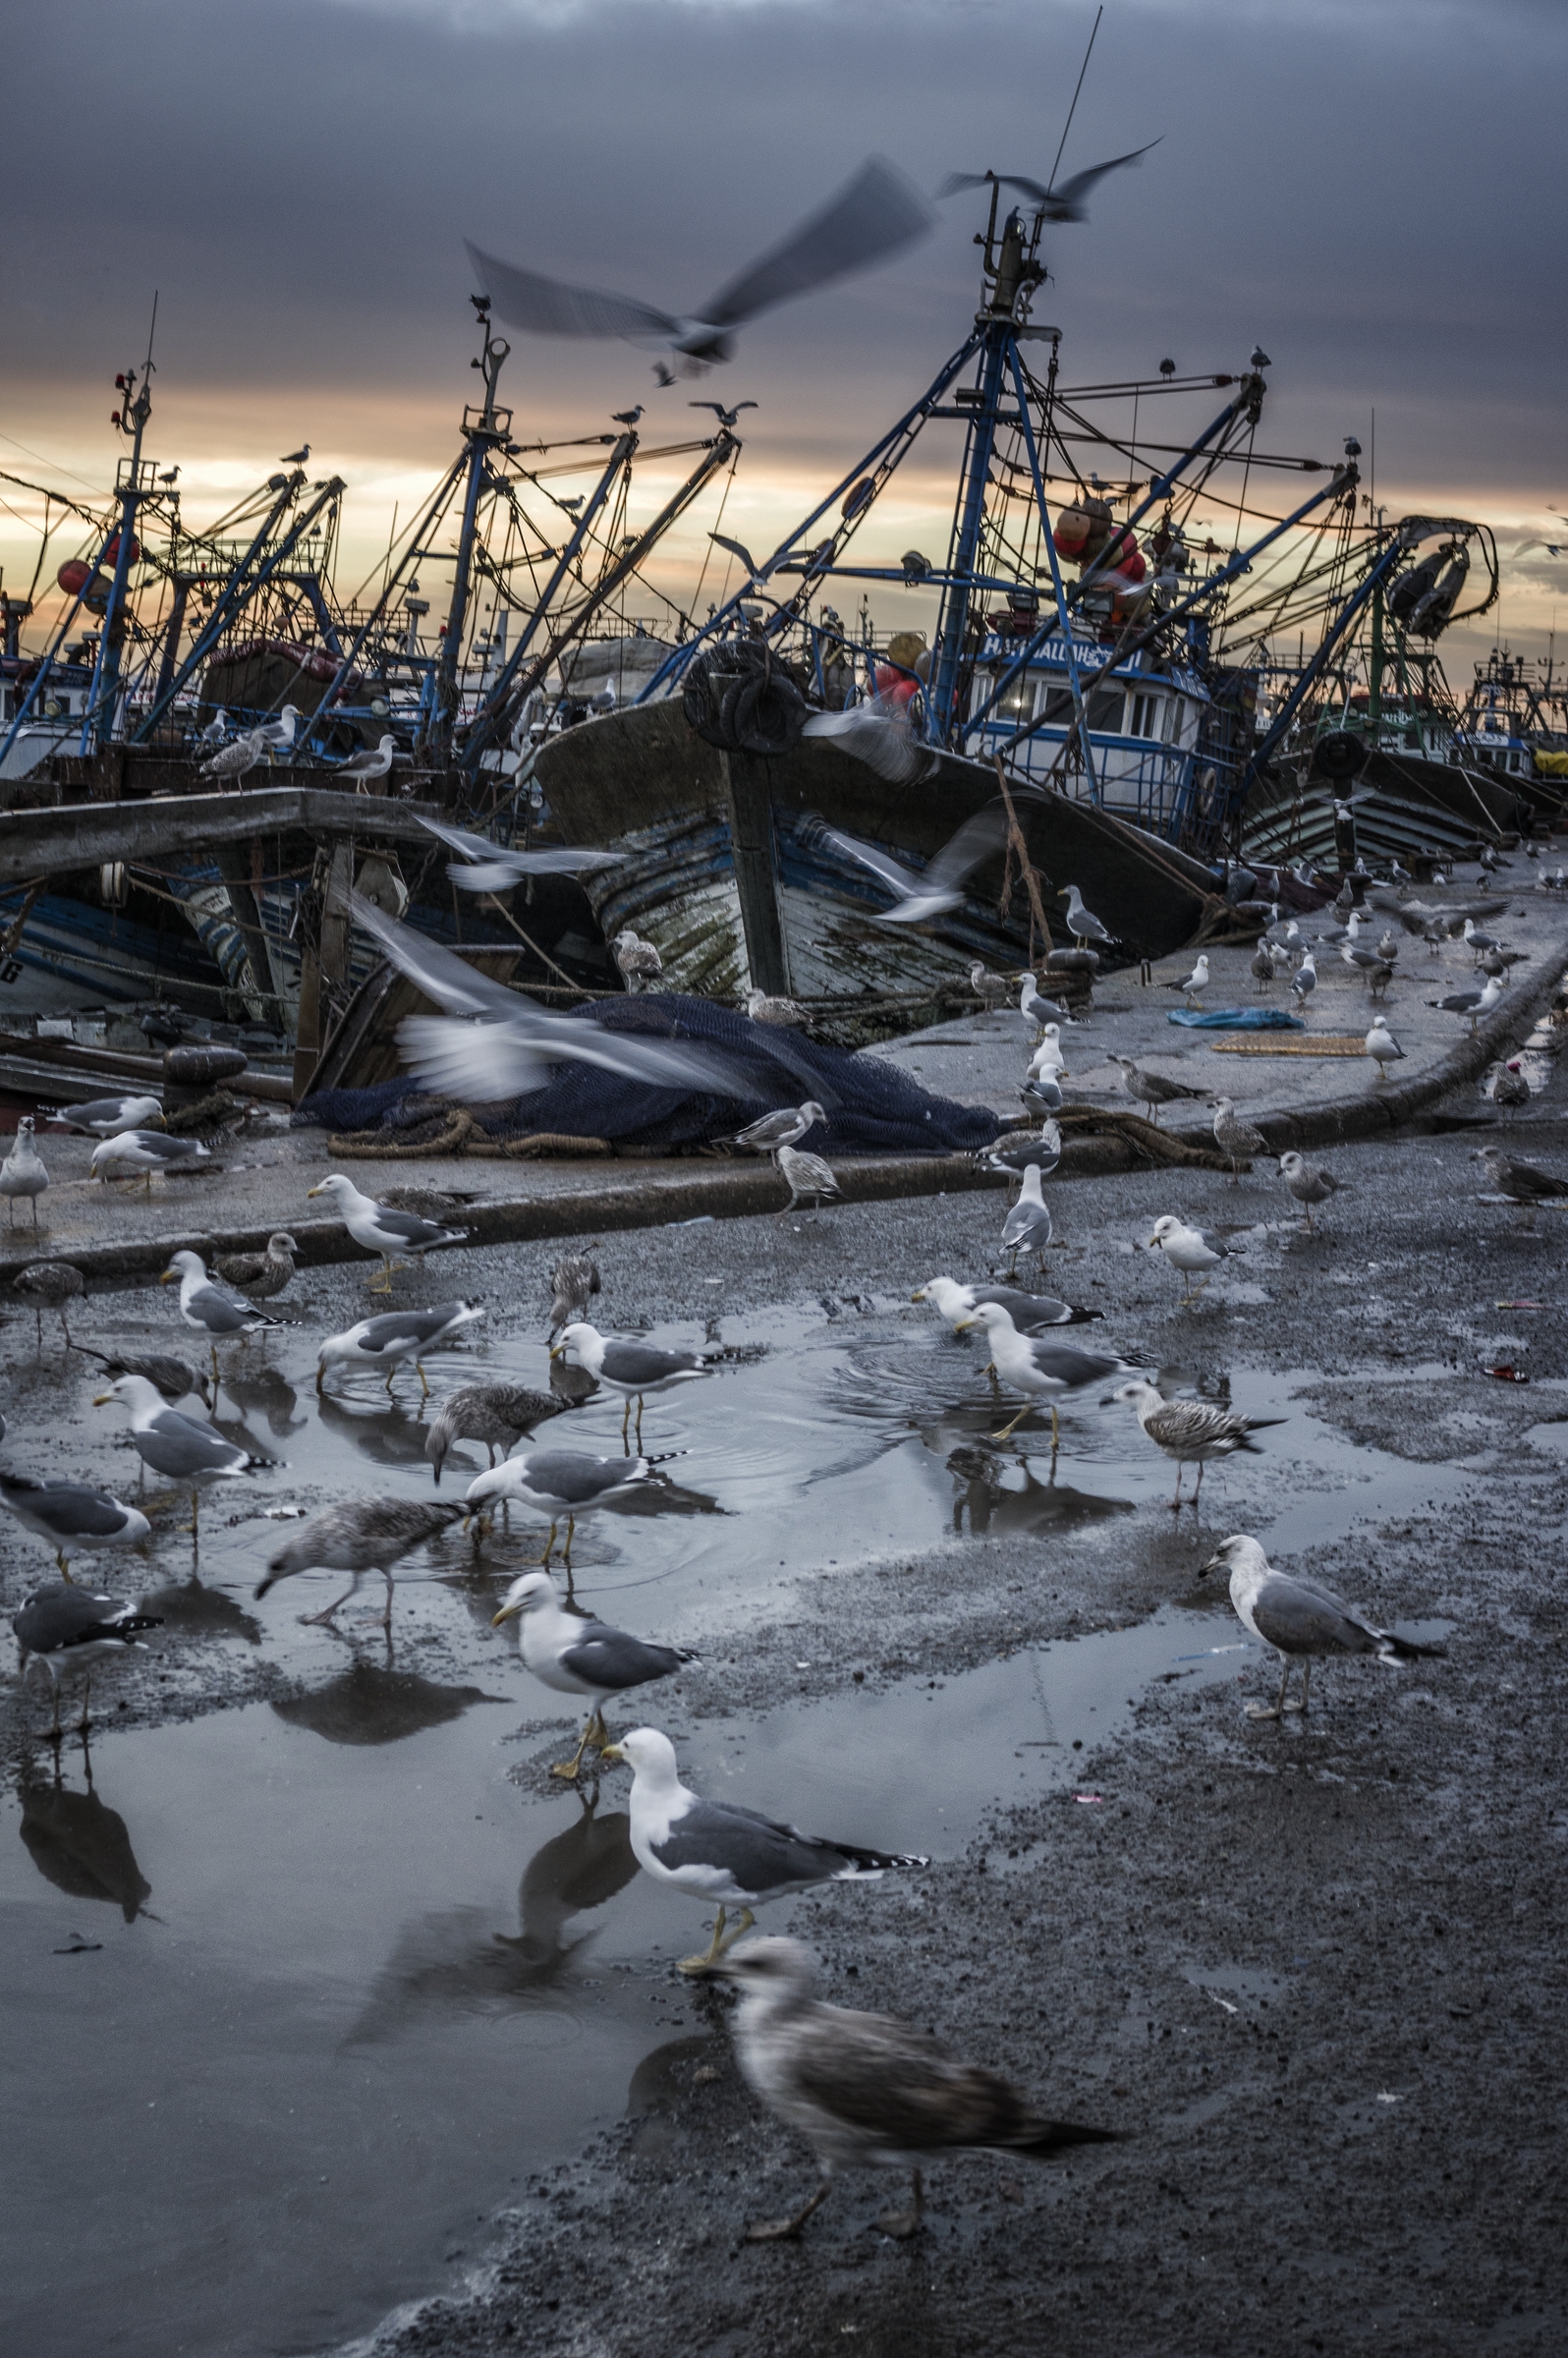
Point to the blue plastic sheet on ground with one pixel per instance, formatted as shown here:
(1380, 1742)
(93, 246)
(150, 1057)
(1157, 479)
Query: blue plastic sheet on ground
(873, 1108)
(1235, 1019)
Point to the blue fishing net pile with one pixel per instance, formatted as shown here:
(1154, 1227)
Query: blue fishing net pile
(873, 1108)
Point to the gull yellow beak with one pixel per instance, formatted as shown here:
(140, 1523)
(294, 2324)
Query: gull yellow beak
(964, 1324)
(170, 1277)
(557, 1351)
(103, 1399)
(508, 1613)
(315, 1190)
(613, 1757)
(920, 1297)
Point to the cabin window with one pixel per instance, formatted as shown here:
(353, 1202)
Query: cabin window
(1018, 703)
(1057, 705)
(1147, 713)
(1103, 710)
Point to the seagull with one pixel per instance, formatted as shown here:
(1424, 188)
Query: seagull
(1473, 1004)
(69, 1628)
(365, 767)
(574, 1281)
(210, 1309)
(1383, 1047)
(359, 1535)
(262, 1275)
(1012, 1155)
(1297, 1618)
(1303, 982)
(718, 1851)
(1037, 1367)
(558, 1482)
(1236, 1138)
(1151, 1089)
(1029, 1313)
(761, 1008)
(1378, 971)
(49, 1285)
(217, 730)
(1028, 1226)
(1509, 1088)
(276, 735)
(736, 549)
(633, 1370)
(236, 760)
(182, 1385)
(992, 991)
(1194, 983)
(496, 1414)
(397, 1334)
(1082, 923)
(936, 888)
(296, 458)
(808, 1179)
(1047, 1061)
(1064, 203)
(485, 866)
(1478, 942)
(73, 1517)
(1259, 358)
(186, 1451)
(867, 2091)
(726, 417)
(1043, 1097)
(1191, 1249)
(382, 1230)
(1264, 966)
(1523, 1183)
(875, 216)
(146, 1152)
(512, 1049)
(1037, 1010)
(631, 417)
(638, 961)
(1190, 1430)
(107, 1117)
(23, 1173)
(1308, 1182)
(573, 1656)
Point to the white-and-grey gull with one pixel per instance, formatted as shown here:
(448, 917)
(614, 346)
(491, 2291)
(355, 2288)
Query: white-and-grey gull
(1083, 925)
(867, 2091)
(1382, 1047)
(179, 1448)
(1028, 1225)
(1191, 1249)
(633, 1370)
(716, 1850)
(1471, 1005)
(68, 1629)
(105, 1117)
(937, 887)
(558, 1482)
(1038, 1366)
(1029, 1313)
(392, 1336)
(359, 1535)
(1193, 986)
(211, 1309)
(143, 1152)
(73, 1517)
(380, 1229)
(1190, 1431)
(1011, 1155)
(576, 1656)
(1301, 1621)
(485, 866)
(22, 1171)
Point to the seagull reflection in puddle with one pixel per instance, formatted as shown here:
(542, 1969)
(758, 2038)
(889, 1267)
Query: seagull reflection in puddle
(388, 1437)
(79, 1844)
(998, 1506)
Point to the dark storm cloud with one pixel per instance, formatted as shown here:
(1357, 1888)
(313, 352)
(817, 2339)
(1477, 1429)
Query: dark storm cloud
(1374, 193)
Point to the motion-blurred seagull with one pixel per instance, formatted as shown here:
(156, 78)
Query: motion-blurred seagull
(726, 417)
(866, 2091)
(875, 216)
(211, 1309)
(884, 739)
(1064, 203)
(1301, 1621)
(932, 891)
(380, 1229)
(1194, 985)
(485, 866)
(1083, 925)
(69, 1628)
(1190, 1250)
(1028, 1226)
(1382, 1047)
(512, 1046)
(716, 1850)
(359, 1535)
(575, 1657)
(392, 1337)
(1190, 1431)
(1038, 1366)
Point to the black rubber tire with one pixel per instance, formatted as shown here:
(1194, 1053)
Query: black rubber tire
(765, 713)
(1339, 755)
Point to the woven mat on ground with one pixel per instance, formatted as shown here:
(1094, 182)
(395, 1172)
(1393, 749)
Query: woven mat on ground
(1315, 1044)
(872, 1107)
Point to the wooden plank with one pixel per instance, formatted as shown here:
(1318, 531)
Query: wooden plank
(43, 843)
(1280, 1043)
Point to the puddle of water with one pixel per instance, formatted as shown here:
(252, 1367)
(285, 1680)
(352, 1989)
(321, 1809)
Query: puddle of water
(357, 1982)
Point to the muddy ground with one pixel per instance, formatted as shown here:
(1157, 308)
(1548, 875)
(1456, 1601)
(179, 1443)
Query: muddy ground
(1313, 1974)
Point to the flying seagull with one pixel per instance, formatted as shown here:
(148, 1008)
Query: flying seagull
(938, 886)
(1064, 203)
(885, 740)
(485, 866)
(875, 214)
(867, 2091)
(1300, 1621)
(726, 419)
(718, 1851)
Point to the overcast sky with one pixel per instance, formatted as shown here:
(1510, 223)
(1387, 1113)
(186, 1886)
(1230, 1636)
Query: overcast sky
(1375, 191)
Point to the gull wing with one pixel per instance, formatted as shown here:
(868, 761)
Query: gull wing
(548, 306)
(1066, 202)
(611, 1660)
(956, 181)
(974, 841)
(1297, 1619)
(873, 216)
(893, 872)
(883, 744)
(443, 978)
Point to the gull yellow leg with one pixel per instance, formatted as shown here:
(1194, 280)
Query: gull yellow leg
(625, 1419)
(784, 2230)
(419, 1370)
(569, 1769)
(1008, 1431)
(549, 1549)
(699, 1964)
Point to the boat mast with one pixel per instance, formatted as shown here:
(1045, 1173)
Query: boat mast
(135, 481)
(484, 430)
